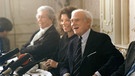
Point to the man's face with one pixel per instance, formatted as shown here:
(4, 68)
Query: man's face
(43, 19)
(80, 24)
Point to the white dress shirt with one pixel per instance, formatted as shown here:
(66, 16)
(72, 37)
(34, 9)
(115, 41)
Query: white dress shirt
(38, 35)
(84, 40)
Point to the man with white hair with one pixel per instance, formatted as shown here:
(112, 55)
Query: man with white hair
(44, 42)
(96, 56)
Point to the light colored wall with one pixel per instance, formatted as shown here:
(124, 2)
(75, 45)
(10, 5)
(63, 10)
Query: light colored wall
(94, 7)
(132, 20)
(114, 20)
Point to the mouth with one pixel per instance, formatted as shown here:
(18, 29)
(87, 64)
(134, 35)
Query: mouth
(75, 28)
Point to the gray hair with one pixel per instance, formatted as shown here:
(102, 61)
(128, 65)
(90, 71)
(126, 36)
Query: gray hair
(86, 13)
(51, 13)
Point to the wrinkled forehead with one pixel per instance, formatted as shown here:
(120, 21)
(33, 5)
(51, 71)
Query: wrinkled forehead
(78, 15)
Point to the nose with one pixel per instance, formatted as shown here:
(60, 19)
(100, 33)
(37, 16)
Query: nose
(63, 23)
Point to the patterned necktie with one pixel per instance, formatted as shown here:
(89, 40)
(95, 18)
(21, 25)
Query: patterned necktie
(131, 70)
(77, 59)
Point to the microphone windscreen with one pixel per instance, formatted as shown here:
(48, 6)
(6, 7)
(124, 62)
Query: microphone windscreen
(8, 55)
(26, 62)
(20, 61)
(15, 65)
(28, 67)
(6, 66)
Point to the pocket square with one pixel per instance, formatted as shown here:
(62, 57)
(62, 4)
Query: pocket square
(91, 54)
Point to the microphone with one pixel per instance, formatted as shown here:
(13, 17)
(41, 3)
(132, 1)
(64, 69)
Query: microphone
(26, 62)
(5, 67)
(16, 64)
(26, 68)
(8, 55)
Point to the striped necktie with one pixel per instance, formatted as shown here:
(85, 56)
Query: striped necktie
(77, 59)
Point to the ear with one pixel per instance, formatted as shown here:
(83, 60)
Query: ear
(89, 21)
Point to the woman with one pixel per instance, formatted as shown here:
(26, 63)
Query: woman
(67, 35)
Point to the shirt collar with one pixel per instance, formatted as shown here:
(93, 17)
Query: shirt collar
(45, 29)
(85, 35)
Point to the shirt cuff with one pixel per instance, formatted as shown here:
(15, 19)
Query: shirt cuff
(97, 73)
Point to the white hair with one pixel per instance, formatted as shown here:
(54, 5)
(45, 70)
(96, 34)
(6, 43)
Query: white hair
(86, 13)
(51, 12)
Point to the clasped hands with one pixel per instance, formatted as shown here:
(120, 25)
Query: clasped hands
(53, 64)
(50, 64)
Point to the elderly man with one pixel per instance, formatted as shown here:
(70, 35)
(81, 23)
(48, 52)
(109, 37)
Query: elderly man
(44, 42)
(92, 53)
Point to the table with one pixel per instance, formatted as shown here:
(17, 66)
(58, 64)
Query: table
(39, 72)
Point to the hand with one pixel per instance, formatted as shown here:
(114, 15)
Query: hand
(66, 74)
(52, 63)
(95, 75)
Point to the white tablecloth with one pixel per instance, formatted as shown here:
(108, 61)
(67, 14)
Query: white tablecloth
(39, 72)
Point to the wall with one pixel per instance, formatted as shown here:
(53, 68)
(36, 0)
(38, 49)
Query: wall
(94, 7)
(114, 20)
(132, 20)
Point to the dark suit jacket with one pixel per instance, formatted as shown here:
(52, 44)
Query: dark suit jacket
(5, 45)
(61, 54)
(125, 67)
(45, 47)
(99, 55)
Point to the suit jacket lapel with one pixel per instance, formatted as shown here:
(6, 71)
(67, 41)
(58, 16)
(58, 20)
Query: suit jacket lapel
(89, 48)
(44, 35)
(73, 52)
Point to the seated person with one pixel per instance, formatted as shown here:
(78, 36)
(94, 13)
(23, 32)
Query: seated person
(44, 42)
(91, 53)
(5, 27)
(67, 36)
(127, 68)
